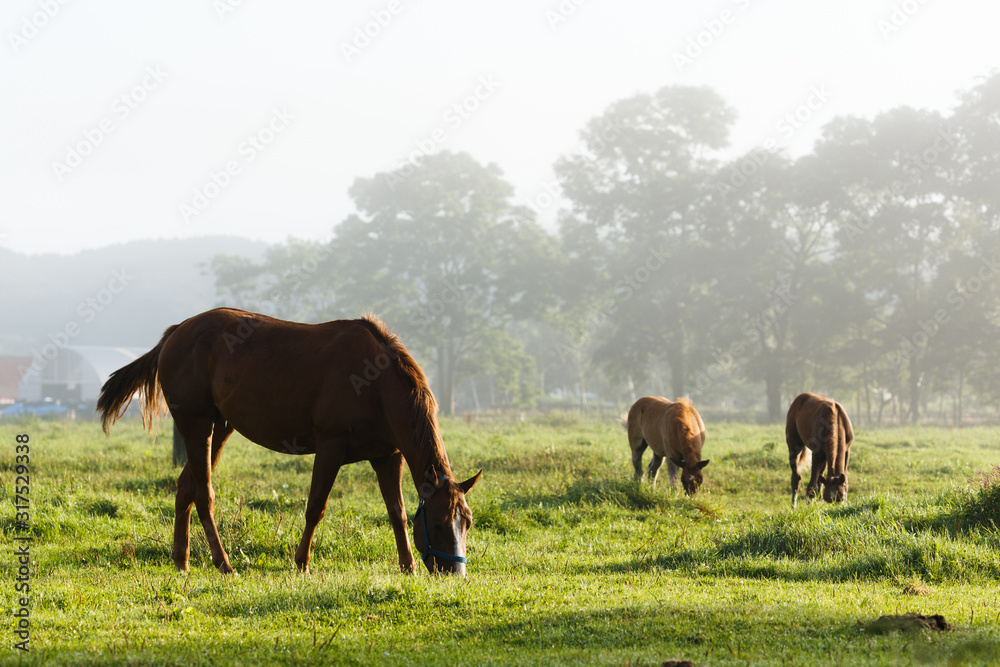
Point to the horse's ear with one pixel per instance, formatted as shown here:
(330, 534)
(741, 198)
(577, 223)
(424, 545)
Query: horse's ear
(702, 464)
(467, 485)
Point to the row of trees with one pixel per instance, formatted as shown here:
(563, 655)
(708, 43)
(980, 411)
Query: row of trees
(867, 268)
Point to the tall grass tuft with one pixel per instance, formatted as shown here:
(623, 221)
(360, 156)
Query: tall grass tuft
(983, 507)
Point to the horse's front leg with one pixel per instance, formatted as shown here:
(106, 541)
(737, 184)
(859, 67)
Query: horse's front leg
(793, 462)
(818, 465)
(389, 470)
(671, 470)
(329, 458)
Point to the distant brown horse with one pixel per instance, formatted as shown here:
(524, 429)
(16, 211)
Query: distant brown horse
(675, 432)
(820, 425)
(346, 390)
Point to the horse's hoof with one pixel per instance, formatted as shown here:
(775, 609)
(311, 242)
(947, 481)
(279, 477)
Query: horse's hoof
(226, 568)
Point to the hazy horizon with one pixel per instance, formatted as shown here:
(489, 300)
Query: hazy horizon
(305, 98)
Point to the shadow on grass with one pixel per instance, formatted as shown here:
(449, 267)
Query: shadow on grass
(161, 484)
(583, 498)
(766, 458)
(540, 462)
(274, 505)
(371, 598)
(805, 553)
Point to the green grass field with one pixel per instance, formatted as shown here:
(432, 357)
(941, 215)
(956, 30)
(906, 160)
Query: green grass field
(570, 562)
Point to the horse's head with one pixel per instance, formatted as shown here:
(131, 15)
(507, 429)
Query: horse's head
(441, 523)
(834, 487)
(691, 476)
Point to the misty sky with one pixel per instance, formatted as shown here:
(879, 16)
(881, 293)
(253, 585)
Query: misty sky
(127, 120)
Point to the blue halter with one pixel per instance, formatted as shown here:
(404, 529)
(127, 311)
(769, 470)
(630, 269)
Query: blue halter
(428, 549)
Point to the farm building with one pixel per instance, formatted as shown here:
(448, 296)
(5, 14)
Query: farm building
(75, 374)
(11, 371)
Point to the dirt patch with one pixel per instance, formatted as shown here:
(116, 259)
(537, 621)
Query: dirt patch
(910, 622)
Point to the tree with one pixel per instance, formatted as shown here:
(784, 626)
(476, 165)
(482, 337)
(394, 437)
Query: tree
(637, 190)
(770, 288)
(891, 178)
(438, 248)
(287, 284)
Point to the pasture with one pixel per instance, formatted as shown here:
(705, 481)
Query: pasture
(570, 561)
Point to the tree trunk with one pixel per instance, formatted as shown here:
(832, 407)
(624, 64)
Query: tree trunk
(868, 394)
(961, 382)
(772, 379)
(675, 359)
(446, 373)
(915, 381)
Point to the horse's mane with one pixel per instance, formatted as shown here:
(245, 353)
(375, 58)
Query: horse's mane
(425, 407)
(406, 363)
(687, 415)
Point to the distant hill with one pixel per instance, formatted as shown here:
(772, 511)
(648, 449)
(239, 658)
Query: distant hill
(124, 294)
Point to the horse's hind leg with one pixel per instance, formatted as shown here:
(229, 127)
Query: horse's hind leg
(796, 454)
(203, 441)
(182, 519)
(389, 471)
(329, 458)
(637, 450)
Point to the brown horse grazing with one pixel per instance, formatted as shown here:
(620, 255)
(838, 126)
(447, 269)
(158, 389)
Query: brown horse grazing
(346, 390)
(675, 432)
(820, 425)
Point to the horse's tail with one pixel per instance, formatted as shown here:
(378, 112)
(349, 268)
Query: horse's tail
(121, 386)
(623, 420)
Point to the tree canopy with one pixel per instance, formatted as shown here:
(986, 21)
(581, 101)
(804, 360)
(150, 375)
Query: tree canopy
(865, 268)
